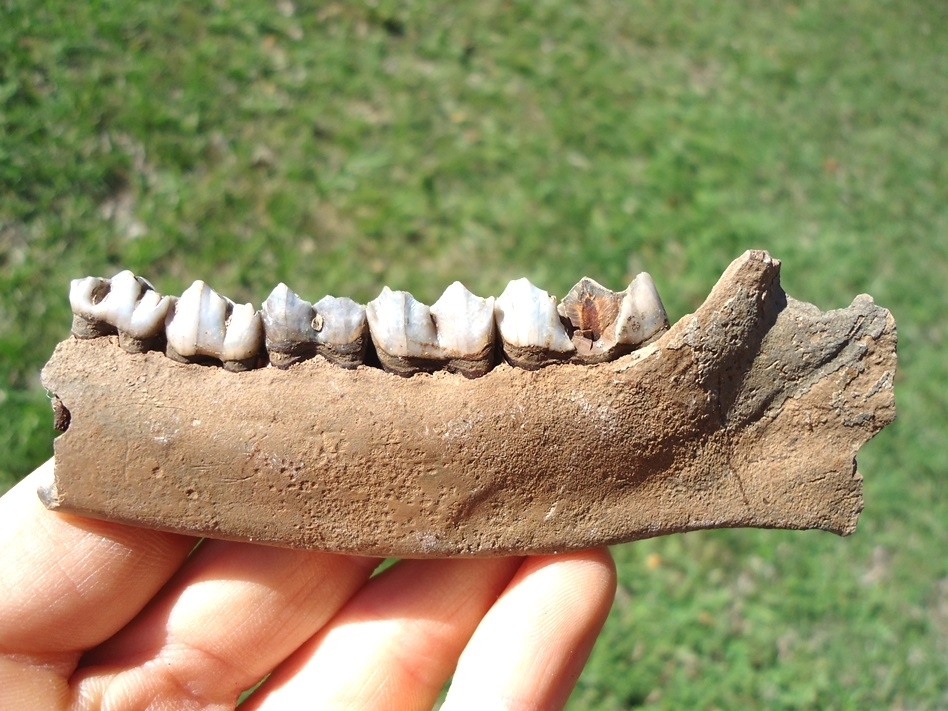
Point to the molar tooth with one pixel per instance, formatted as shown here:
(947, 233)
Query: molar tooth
(642, 315)
(403, 333)
(606, 324)
(342, 331)
(465, 327)
(204, 326)
(530, 327)
(126, 304)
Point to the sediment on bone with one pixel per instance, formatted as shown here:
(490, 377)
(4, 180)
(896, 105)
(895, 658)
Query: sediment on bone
(125, 304)
(531, 331)
(204, 327)
(605, 325)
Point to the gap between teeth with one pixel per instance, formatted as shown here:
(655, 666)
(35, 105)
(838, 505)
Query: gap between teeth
(460, 332)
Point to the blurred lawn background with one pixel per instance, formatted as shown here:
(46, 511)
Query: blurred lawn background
(339, 147)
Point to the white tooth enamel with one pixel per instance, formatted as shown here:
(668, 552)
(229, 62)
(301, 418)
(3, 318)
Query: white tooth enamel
(287, 319)
(641, 314)
(402, 327)
(527, 318)
(126, 303)
(243, 336)
(464, 322)
(340, 321)
(196, 325)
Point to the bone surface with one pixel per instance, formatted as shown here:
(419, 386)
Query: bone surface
(530, 327)
(202, 325)
(748, 412)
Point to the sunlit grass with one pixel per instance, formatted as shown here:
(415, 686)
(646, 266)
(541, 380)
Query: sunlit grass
(341, 147)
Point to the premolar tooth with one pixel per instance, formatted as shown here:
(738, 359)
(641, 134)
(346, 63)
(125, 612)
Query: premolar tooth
(205, 326)
(403, 333)
(530, 327)
(606, 324)
(125, 304)
(465, 328)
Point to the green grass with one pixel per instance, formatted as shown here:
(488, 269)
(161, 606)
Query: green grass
(341, 147)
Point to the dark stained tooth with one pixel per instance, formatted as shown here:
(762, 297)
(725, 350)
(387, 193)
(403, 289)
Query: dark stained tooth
(605, 325)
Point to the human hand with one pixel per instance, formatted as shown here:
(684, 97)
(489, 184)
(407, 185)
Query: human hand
(96, 614)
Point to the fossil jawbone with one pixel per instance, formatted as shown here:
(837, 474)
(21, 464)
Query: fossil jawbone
(748, 412)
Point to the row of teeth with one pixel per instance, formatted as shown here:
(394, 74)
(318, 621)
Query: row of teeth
(459, 332)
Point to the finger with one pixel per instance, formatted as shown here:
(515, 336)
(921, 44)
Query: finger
(531, 647)
(230, 615)
(396, 643)
(69, 582)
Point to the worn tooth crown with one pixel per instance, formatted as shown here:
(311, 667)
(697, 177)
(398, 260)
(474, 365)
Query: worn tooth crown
(530, 327)
(642, 315)
(342, 330)
(456, 333)
(403, 332)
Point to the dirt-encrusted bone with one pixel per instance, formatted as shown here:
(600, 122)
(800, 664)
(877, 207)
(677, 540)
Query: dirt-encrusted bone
(748, 412)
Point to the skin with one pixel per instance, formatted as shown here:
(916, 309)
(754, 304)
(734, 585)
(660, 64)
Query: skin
(100, 615)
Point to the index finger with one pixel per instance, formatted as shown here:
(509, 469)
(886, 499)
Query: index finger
(69, 583)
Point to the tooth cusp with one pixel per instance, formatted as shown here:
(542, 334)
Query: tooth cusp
(642, 316)
(530, 327)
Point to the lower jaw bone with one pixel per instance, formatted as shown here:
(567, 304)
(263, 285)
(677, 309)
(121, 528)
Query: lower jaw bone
(748, 412)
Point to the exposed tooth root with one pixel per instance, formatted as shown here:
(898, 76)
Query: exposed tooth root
(605, 325)
(530, 327)
(456, 333)
(205, 327)
(125, 304)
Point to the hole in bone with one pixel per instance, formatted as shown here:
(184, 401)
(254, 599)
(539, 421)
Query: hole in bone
(317, 323)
